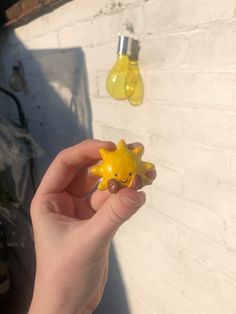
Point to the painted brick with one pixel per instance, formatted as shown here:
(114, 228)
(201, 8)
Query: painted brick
(139, 307)
(148, 224)
(88, 34)
(79, 11)
(64, 15)
(102, 77)
(212, 255)
(163, 52)
(166, 233)
(228, 292)
(210, 162)
(199, 275)
(101, 58)
(100, 31)
(46, 41)
(155, 291)
(230, 232)
(152, 119)
(170, 180)
(206, 301)
(212, 48)
(115, 134)
(136, 306)
(70, 13)
(164, 293)
(24, 33)
(92, 82)
(210, 128)
(195, 158)
(167, 152)
(189, 214)
(217, 196)
(191, 90)
(167, 274)
(96, 127)
(162, 16)
(233, 169)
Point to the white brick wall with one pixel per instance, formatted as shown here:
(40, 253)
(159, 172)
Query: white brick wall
(178, 254)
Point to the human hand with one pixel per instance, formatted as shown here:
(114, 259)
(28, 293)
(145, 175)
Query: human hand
(73, 228)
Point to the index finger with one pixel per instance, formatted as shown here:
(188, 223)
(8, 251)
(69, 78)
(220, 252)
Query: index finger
(65, 166)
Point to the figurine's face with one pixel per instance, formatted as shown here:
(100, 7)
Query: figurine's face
(122, 167)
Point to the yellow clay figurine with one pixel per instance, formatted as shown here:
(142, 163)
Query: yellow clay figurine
(122, 168)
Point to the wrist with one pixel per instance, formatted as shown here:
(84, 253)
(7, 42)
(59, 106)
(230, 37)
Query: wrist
(52, 305)
(50, 297)
(49, 304)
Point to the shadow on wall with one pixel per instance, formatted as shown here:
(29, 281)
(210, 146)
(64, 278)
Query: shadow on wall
(114, 299)
(58, 109)
(57, 103)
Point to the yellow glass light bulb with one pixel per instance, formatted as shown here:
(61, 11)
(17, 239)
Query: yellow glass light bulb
(121, 79)
(136, 98)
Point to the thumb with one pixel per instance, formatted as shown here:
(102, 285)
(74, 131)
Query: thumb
(116, 210)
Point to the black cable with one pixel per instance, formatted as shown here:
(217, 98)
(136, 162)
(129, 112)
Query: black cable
(24, 126)
(19, 106)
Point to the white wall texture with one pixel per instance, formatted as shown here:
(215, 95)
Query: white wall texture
(178, 254)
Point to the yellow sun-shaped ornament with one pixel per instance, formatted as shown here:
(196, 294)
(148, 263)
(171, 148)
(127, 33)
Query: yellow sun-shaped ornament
(122, 167)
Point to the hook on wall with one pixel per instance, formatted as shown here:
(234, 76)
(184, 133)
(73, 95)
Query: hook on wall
(129, 26)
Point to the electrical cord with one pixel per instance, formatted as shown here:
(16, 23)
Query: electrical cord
(24, 125)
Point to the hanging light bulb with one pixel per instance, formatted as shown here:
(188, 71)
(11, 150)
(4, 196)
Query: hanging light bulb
(121, 79)
(136, 98)
(16, 81)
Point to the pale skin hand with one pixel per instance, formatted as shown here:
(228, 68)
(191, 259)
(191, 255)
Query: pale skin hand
(73, 229)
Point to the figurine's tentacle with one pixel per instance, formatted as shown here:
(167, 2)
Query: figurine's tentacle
(137, 182)
(148, 165)
(104, 153)
(139, 150)
(114, 186)
(121, 145)
(102, 185)
(147, 181)
(151, 174)
(96, 170)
